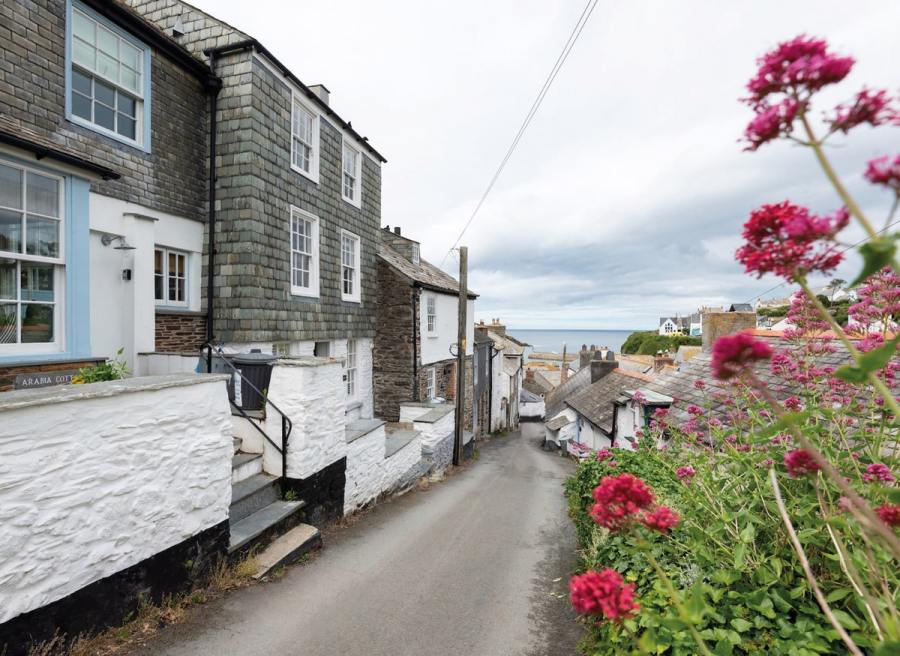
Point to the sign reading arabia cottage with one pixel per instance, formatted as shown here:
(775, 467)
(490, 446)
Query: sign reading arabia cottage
(43, 379)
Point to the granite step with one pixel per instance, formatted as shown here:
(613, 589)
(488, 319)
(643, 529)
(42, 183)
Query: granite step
(245, 465)
(236, 443)
(288, 548)
(252, 494)
(268, 521)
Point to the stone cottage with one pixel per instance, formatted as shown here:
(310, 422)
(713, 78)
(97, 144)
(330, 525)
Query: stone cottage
(416, 335)
(506, 367)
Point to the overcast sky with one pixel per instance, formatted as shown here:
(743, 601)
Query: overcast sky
(625, 198)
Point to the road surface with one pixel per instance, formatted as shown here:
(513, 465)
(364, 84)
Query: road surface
(467, 567)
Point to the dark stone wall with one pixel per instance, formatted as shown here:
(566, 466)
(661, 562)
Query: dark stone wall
(445, 383)
(323, 492)
(396, 342)
(171, 178)
(179, 332)
(109, 601)
(257, 187)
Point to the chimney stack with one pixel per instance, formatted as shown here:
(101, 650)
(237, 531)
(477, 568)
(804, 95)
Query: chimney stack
(564, 372)
(717, 324)
(397, 231)
(661, 360)
(601, 368)
(584, 356)
(321, 91)
(498, 327)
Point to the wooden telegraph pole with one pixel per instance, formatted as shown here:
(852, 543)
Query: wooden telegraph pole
(462, 328)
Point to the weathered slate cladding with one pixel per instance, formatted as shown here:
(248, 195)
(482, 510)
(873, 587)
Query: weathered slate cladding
(257, 187)
(172, 178)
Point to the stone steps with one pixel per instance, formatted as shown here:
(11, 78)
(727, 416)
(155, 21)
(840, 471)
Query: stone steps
(264, 523)
(252, 494)
(245, 465)
(288, 548)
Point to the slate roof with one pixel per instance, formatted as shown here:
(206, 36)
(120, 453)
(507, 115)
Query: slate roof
(537, 385)
(528, 397)
(424, 273)
(556, 398)
(679, 384)
(595, 402)
(508, 345)
(740, 307)
(558, 422)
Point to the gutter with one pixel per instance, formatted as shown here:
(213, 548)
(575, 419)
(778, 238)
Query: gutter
(253, 44)
(415, 326)
(214, 85)
(40, 152)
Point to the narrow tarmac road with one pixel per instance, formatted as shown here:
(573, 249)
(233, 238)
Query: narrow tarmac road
(468, 567)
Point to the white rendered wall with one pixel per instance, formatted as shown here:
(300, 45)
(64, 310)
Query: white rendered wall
(91, 486)
(532, 409)
(123, 312)
(436, 345)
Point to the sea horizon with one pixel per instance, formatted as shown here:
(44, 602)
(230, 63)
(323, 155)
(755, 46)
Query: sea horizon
(551, 340)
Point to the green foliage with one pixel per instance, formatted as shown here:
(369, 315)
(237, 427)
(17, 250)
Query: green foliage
(877, 254)
(776, 311)
(649, 342)
(868, 362)
(114, 369)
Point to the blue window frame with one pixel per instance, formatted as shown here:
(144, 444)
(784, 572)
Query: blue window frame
(107, 77)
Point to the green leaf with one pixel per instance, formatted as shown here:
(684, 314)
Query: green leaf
(894, 495)
(723, 648)
(890, 648)
(845, 619)
(696, 604)
(740, 555)
(741, 624)
(748, 533)
(850, 374)
(725, 576)
(876, 253)
(878, 358)
(837, 595)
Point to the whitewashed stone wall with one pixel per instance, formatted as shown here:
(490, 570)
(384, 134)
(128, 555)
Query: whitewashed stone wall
(532, 410)
(437, 442)
(365, 471)
(310, 391)
(97, 478)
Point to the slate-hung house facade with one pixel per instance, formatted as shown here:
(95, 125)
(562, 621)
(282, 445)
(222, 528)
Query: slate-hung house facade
(102, 183)
(417, 313)
(298, 196)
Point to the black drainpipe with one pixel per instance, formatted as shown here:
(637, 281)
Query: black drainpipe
(214, 85)
(415, 343)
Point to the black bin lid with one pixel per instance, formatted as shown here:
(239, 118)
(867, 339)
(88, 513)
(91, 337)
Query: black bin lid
(254, 357)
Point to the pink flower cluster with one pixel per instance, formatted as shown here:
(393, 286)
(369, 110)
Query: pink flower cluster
(686, 472)
(732, 354)
(797, 68)
(624, 499)
(800, 463)
(889, 514)
(872, 107)
(771, 122)
(787, 240)
(884, 171)
(603, 593)
(878, 472)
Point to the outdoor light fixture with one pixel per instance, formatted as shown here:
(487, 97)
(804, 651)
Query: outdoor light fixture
(106, 240)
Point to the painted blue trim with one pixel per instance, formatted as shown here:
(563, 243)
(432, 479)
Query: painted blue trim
(76, 231)
(146, 146)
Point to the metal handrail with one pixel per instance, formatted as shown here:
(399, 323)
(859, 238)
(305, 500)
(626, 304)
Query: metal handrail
(286, 424)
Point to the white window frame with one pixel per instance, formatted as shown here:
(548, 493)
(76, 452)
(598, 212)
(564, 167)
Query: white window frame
(312, 291)
(141, 96)
(356, 292)
(431, 384)
(431, 314)
(350, 368)
(166, 301)
(299, 104)
(416, 254)
(356, 198)
(59, 270)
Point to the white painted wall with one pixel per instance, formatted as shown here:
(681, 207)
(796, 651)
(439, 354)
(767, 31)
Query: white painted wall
(123, 312)
(436, 345)
(91, 486)
(567, 432)
(530, 410)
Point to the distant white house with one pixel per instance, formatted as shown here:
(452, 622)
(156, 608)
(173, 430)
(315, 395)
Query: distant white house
(669, 326)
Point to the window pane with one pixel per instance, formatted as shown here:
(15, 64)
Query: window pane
(130, 56)
(104, 116)
(107, 66)
(42, 237)
(37, 323)
(126, 105)
(81, 82)
(84, 54)
(81, 106)
(158, 288)
(10, 231)
(8, 280)
(130, 79)
(126, 127)
(7, 323)
(10, 187)
(43, 194)
(104, 93)
(107, 42)
(37, 282)
(82, 26)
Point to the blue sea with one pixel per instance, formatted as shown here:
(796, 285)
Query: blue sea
(552, 340)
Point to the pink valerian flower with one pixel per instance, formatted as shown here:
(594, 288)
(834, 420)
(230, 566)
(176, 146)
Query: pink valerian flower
(845, 504)
(619, 499)
(694, 410)
(604, 454)
(889, 514)
(872, 107)
(660, 414)
(743, 448)
(699, 384)
(800, 463)
(878, 307)
(884, 171)
(798, 68)
(732, 354)
(792, 403)
(661, 519)
(878, 472)
(771, 122)
(685, 473)
(603, 593)
(787, 240)
(638, 396)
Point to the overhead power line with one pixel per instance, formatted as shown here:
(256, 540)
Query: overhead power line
(557, 66)
(851, 246)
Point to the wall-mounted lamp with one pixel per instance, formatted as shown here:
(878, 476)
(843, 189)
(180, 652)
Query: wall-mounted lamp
(106, 240)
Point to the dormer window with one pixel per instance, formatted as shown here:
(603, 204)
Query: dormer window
(352, 174)
(108, 86)
(415, 253)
